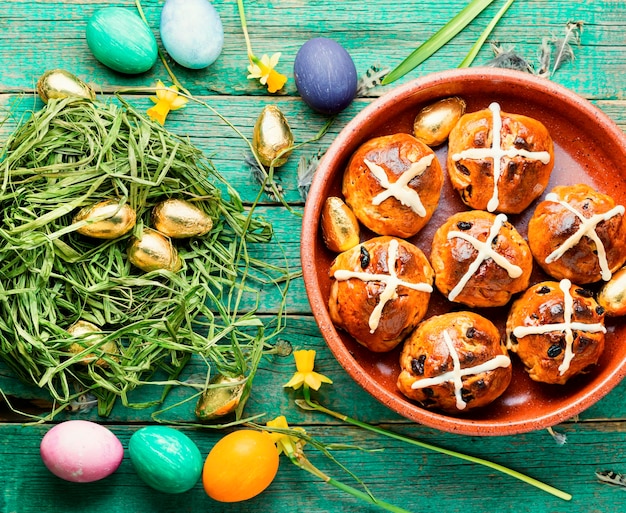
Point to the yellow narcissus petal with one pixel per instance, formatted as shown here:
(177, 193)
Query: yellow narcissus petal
(315, 380)
(167, 99)
(296, 381)
(305, 362)
(275, 81)
(284, 442)
(263, 70)
(159, 112)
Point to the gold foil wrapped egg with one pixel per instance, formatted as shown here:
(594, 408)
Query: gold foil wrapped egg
(90, 335)
(221, 398)
(434, 122)
(180, 219)
(153, 251)
(340, 227)
(106, 220)
(58, 84)
(272, 135)
(612, 295)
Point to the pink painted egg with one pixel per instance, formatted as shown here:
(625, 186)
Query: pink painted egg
(81, 451)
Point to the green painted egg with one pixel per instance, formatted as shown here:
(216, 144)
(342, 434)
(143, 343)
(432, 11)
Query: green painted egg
(165, 459)
(120, 39)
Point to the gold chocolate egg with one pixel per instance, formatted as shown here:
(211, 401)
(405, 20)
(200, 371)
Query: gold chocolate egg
(272, 136)
(153, 251)
(90, 335)
(106, 220)
(340, 228)
(180, 219)
(612, 295)
(221, 397)
(434, 122)
(58, 84)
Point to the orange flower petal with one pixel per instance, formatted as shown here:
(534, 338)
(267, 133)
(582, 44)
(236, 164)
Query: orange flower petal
(159, 112)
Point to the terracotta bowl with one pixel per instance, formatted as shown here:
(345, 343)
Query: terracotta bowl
(589, 148)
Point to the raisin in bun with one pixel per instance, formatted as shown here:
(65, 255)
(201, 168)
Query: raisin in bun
(520, 170)
(579, 234)
(557, 330)
(380, 291)
(454, 362)
(392, 184)
(480, 259)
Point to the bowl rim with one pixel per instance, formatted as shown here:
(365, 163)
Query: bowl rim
(317, 302)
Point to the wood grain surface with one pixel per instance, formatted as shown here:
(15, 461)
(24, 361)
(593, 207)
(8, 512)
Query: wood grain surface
(39, 35)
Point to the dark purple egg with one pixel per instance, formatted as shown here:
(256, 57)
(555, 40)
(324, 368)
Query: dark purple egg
(325, 75)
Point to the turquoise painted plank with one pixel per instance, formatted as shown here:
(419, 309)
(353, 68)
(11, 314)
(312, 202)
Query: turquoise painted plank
(227, 149)
(48, 35)
(270, 398)
(419, 480)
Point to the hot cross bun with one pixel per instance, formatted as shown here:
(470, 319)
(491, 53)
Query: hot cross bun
(480, 259)
(578, 233)
(557, 330)
(380, 291)
(454, 362)
(393, 184)
(499, 162)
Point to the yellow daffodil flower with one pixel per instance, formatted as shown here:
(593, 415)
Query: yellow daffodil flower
(167, 99)
(285, 443)
(263, 69)
(305, 361)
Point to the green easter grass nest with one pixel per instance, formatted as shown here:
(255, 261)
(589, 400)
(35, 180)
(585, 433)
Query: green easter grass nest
(74, 153)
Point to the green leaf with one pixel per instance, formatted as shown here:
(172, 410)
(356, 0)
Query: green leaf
(469, 58)
(440, 38)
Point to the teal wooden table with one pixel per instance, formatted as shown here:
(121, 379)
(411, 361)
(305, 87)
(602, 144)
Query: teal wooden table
(39, 35)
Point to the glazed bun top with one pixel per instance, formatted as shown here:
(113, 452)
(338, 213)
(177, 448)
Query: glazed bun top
(393, 184)
(499, 162)
(480, 259)
(380, 291)
(557, 330)
(454, 362)
(578, 233)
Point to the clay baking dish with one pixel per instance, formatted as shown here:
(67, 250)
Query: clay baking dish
(589, 148)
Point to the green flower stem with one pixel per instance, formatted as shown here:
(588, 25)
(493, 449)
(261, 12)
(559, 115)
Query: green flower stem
(299, 460)
(171, 74)
(469, 58)
(440, 38)
(500, 468)
(244, 28)
(293, 451)
(367, 498)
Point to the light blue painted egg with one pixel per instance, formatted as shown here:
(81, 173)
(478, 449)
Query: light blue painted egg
(120, 39)
(165, 459)
(192, 32)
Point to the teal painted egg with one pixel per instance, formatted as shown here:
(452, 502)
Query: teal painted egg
(165, 459)
(192, 32)
(120, 39)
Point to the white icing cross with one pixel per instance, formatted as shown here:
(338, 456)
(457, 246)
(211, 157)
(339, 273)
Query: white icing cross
(391, 282)
(567, 326)
(400, 188)
(485, 251)
(587, 227)
(496, 152)
(456, 374)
